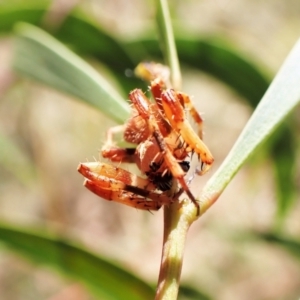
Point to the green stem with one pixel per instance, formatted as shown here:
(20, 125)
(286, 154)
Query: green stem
(178, 217)
(167, 41)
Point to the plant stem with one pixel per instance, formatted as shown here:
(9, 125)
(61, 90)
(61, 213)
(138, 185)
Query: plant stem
(178, 217)
(167, 41)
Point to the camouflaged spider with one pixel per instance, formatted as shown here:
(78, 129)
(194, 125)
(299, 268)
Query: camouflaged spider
(164, 140)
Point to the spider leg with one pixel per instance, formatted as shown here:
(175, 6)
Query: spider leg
(116, 184)
(176, 116)
(117, 154)
(175, 168)
(123, 197)
(114, 153)
(184, 98)
(148, 111)
(134, 131)
(113, 131)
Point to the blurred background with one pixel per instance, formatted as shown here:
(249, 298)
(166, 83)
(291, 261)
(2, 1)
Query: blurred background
(245, 247)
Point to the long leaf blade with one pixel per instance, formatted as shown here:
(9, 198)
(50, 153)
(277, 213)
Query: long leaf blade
(284, 154)
(280, 99)
(104, 279)
(39, 56)
(84, 37)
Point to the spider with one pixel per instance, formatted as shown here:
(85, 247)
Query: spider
(164, 141)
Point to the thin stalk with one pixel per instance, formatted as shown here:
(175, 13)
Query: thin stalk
(167, 41)
(178, 217)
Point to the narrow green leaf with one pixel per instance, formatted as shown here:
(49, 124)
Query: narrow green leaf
(88, 39)
(39, 56)
(290, 245)
(284, 161)
(167, 41)
(82, 35)
(104, 279)
(280, 99)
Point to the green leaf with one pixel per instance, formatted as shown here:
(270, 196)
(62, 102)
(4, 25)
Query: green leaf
(284, 153)
(88, 39)
(104, 279)
(82, 35)
(167, 41)
(39, 56)
(290, 245)
(280, 99)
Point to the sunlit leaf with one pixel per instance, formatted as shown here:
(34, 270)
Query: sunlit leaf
(280, 99)
(40, 57)
(82, 35)
(104, 279)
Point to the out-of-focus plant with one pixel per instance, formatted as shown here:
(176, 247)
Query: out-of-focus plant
(41, 57)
